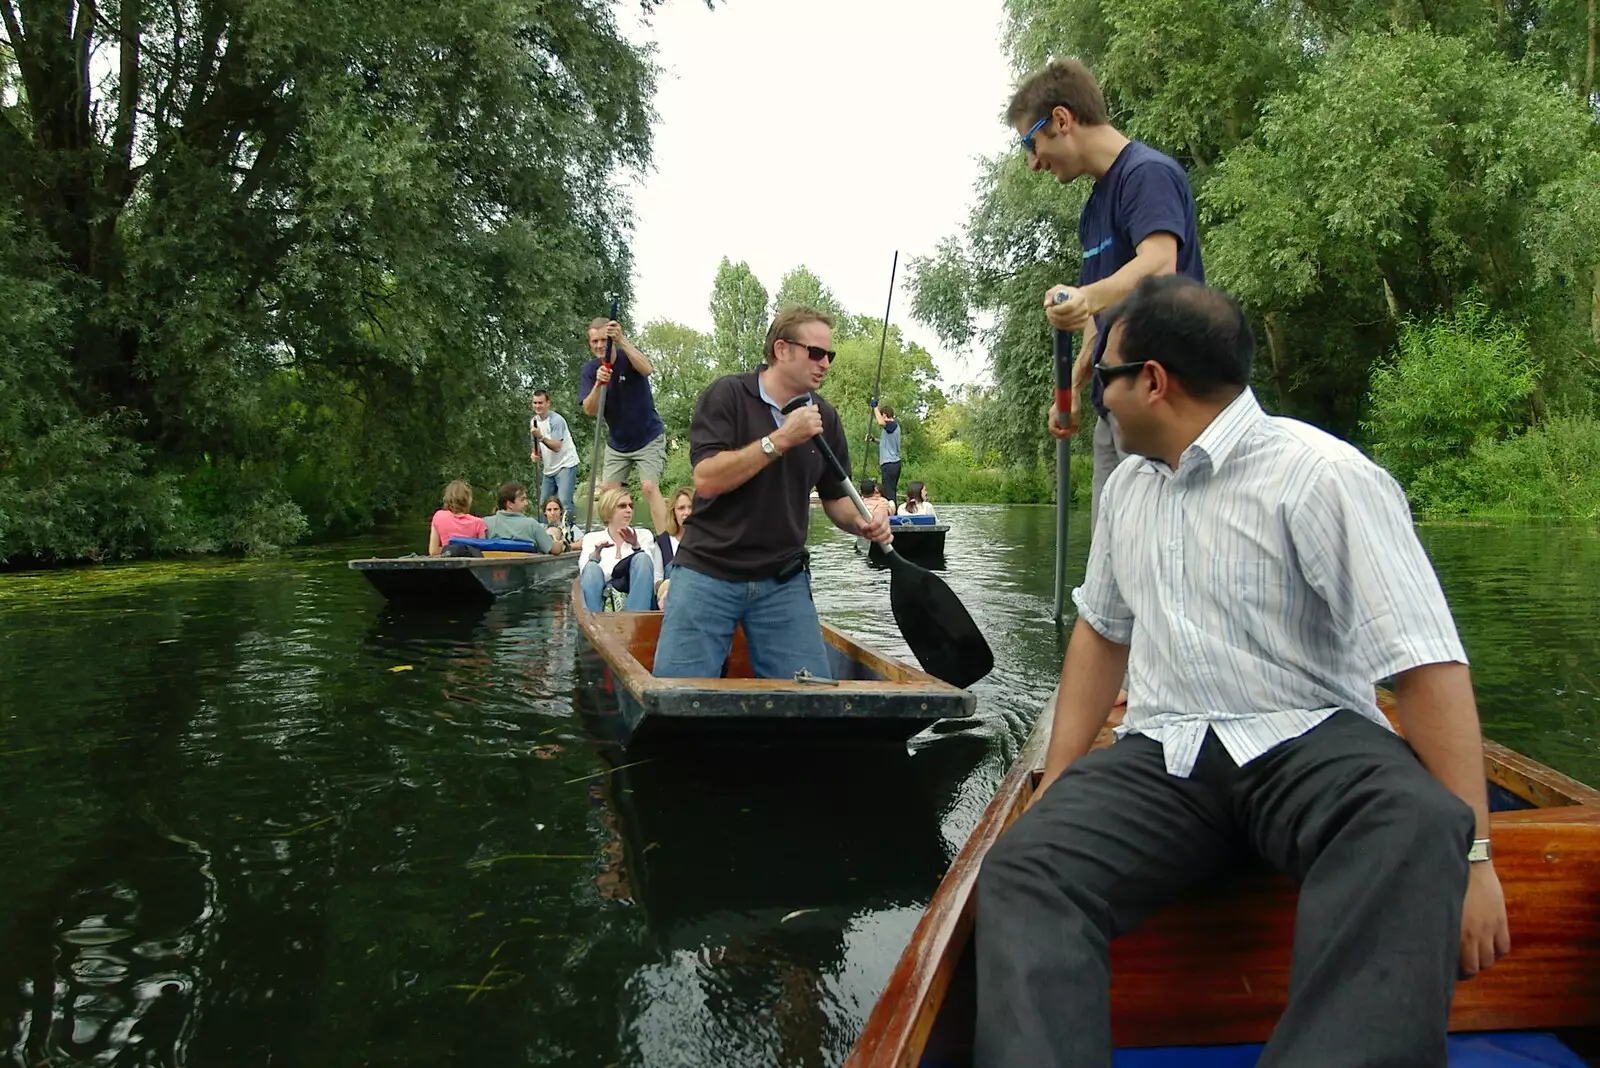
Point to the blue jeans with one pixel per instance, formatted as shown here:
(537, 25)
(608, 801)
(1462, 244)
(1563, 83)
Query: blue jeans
(780, 627)
(562, 484)
(641, 584)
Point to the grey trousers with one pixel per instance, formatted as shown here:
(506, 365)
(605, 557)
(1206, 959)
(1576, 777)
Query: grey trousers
(1377, 844)
(1107, 455)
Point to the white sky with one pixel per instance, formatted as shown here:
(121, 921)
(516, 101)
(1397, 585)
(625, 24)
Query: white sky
(822, 132)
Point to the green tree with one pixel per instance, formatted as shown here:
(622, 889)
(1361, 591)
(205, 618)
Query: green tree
(801, 287)
(682, 359)
(309, 248)
(738, 317)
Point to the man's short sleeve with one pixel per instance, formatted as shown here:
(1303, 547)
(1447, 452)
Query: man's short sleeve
(1155, 199)
(1099, 600)
(829, 486)
(558, 427)
(715, 422)
(586, 380)
(890, 427)
(1357, 548)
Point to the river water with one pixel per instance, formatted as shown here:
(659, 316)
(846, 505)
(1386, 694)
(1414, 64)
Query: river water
(252, 816)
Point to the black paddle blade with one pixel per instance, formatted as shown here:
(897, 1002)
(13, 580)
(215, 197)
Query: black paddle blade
(937, 626)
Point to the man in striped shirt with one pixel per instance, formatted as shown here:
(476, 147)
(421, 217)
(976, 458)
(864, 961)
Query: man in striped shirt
(1261, 576)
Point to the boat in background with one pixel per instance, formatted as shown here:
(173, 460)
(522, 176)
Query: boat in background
(425, 580)
(871, 696)
(1214, 968)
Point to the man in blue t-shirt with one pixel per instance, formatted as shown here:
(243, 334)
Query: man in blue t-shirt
(1139, 221)
(635, 435)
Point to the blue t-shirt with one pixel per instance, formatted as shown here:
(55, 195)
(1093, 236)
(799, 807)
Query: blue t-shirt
(889, 444)
(1145, 192)
(631, 419)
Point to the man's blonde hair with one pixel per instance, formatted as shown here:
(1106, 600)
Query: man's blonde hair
(458, 497)
(599, 324)
(789, 320)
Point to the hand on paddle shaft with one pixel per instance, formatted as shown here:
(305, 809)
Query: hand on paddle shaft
(1067, 312)
(935, 625)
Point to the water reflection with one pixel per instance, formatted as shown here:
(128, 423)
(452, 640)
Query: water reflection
(253, 815)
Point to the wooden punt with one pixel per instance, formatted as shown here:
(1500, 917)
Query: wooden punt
(1215, 968)
(421, 580)
(871, 696)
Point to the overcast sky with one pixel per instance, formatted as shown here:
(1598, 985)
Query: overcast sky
(822, 132)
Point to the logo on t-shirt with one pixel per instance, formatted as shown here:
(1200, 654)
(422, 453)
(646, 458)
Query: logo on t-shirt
(1101, 247)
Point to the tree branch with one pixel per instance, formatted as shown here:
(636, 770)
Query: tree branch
(127, 99)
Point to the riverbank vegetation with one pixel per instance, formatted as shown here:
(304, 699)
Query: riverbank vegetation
(280, 271)
(1405, 198)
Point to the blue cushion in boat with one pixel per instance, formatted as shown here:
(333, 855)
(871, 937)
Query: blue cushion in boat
(496, 545)
(1519, 1049)
(913, 520)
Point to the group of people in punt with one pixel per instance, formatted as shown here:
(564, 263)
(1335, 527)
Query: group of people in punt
(1250, 579)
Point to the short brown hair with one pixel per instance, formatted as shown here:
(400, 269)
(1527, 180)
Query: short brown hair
(509, 492)
(887, 410)
(458, 497)
(785, 324)
(1064, 83)
(599, 324)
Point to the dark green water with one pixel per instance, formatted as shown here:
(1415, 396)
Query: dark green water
(253, 817)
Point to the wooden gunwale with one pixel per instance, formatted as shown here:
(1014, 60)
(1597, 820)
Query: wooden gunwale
(1548, 858)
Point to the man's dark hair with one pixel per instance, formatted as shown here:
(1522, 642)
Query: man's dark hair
(869, 486)
(542, 393)
(1200, 335)
(887, 410)
(509, 492)
(1064, 83)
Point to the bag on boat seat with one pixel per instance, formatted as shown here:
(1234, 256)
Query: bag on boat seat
(456, 548)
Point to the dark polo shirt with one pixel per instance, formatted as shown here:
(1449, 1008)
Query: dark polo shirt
(750, 532)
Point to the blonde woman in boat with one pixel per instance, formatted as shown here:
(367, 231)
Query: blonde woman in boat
(679, 507)
(619, 556)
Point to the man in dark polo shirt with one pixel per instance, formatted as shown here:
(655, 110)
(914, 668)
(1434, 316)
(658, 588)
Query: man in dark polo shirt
(1138, 221)
(635, 435)
(742, 557)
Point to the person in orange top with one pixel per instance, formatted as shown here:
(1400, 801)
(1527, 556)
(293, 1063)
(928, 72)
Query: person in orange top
(455, 519)
(876, 502)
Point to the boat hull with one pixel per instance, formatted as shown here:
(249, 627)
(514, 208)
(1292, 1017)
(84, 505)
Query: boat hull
(871, 696)
(1214, 968)
(464, 579)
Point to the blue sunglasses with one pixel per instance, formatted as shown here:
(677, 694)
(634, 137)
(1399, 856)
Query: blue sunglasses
(1027, 138)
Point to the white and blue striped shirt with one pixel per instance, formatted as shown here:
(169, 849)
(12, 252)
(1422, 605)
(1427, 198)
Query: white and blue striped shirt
(1269, 581)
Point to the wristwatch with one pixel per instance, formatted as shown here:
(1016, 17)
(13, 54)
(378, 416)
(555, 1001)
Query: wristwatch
(1479, 851)
(769, 448)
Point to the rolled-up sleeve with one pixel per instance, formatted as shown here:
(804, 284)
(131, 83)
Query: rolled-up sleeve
(1358, 549)
(1099, 600)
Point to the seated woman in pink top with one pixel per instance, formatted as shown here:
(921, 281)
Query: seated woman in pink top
(455, 519)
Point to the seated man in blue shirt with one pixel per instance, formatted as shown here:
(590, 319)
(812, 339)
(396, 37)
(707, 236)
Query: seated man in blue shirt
(1262, 577)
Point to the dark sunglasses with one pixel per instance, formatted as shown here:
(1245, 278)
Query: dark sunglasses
(1106, 372)
(1027, 138)
(816, 352)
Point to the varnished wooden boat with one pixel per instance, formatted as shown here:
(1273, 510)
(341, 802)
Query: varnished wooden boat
(1215, 968)
(871, 696)
(420, 580)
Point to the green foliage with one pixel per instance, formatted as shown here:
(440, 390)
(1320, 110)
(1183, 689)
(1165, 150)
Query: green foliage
(953, 480)
(801, 287)
(1552, 469)
(1357, 164)
(683, 369)
(1454, 382)
(738, 318)
(331, 245)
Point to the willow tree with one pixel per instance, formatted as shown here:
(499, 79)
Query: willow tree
(309, 248)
